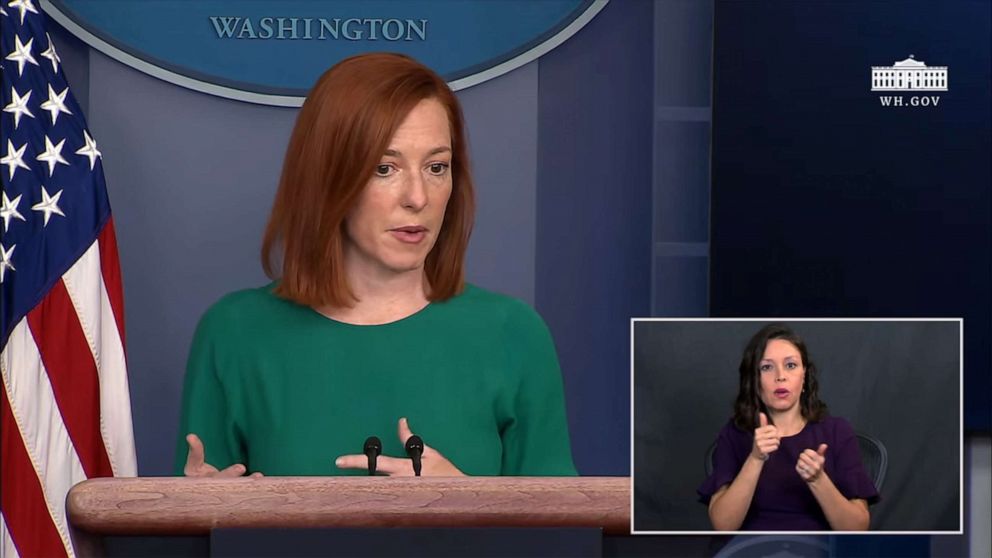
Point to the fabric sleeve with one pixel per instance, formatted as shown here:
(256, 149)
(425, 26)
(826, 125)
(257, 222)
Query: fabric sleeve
(205, 408)
(727, 462)
(850, 476)
(536, 440)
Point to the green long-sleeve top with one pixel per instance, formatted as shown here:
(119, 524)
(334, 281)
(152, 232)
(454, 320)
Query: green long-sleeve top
(284, 390)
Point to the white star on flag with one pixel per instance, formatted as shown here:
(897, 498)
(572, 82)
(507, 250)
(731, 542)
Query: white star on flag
(23, 6)
(5, 260)
(18, 106)
(22, 54)
(48, 204)
(8, 210)
(14, 158)
(52, 55)
(56, 103)
(52, 155)
(89, 150)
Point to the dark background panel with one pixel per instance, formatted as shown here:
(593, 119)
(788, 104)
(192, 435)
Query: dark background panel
(897, 381)
(826, 203)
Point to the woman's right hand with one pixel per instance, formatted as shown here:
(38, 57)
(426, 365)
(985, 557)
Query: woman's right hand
(766, 438)
(197, 467)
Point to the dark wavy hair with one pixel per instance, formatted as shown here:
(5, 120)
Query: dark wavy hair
(749, 403)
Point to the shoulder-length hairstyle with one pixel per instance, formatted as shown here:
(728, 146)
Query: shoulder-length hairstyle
(749, 403)
(342, 131)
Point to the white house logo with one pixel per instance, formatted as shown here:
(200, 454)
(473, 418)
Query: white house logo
(909, 75)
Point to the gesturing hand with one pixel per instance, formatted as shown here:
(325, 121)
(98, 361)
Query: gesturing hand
(766, 438)
(433, 463)
(197, 467)
(810, 464)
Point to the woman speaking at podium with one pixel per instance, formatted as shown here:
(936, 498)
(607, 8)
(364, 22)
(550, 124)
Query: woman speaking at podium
(782, 463)
(368, 328)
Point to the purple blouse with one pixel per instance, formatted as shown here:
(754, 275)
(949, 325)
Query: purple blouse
(782, 501)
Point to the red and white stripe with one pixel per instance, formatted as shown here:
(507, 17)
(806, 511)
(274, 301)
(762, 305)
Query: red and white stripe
(66, 413)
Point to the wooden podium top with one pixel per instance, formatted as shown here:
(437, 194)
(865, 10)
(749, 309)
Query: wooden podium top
(187, 506)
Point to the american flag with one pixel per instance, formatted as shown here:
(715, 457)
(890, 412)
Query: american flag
(65, 412)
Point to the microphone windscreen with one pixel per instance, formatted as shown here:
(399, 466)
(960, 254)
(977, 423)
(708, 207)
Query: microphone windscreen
(414, 445)
(373, 445)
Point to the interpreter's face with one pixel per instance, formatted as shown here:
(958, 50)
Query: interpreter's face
(399, 214)
(781, 371)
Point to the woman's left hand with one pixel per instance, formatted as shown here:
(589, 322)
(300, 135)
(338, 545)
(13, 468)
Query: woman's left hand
(810, 464)
(433, 464)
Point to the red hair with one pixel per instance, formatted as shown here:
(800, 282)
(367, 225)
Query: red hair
(342, 131)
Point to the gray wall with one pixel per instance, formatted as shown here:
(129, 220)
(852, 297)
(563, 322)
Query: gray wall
(897, 381)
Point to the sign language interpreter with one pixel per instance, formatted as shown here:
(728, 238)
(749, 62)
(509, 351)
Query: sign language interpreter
(771, 466)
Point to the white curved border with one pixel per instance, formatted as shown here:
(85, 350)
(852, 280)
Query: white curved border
(293, 101)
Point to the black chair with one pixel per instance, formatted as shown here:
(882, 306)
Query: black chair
(874, 456)
(708, 459)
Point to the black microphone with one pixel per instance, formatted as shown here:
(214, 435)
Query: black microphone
(373, 448)
(414, 448)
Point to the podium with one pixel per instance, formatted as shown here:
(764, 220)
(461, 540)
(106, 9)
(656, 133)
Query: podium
(364, 506)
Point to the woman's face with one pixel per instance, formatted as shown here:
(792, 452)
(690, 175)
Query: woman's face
(782, 373)
(399, 214)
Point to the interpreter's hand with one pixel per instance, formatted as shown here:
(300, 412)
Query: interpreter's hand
(766, 438)
(810, 464)
(197, 467)
(433, 464)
